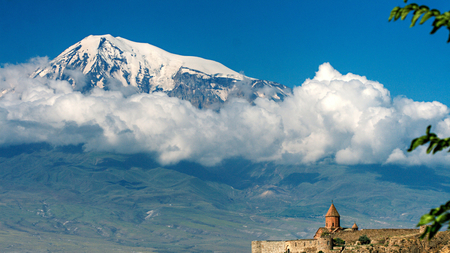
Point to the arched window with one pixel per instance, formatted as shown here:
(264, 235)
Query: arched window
(333, 224)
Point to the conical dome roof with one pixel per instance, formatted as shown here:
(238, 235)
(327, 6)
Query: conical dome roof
(332, 212)
(355, 226)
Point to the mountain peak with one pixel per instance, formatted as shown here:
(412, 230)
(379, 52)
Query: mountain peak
(127, 61)
(104, 60)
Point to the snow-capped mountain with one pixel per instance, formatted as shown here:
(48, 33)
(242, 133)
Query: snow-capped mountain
(106, 61)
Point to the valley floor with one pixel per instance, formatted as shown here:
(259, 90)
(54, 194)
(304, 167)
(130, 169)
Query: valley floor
(24, 241)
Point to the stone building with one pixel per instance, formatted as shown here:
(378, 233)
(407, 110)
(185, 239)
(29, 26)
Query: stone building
(322, 239)
(382, 240)
(332, 223)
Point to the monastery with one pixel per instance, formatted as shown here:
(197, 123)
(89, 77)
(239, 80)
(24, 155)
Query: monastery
(319, 243)
(323, 239)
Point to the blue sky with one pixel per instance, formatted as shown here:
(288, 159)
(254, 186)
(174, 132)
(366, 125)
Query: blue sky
(355, 122)
(282, 41)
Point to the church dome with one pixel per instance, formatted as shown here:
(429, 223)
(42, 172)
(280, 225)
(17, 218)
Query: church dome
(332, 212)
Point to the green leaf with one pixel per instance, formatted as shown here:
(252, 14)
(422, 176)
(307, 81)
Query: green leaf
(427, 230)
(440, 22)
(398, 14)
(425, 219)
(416, 16)
(436, 12)
(433, 230)
(438, 147)
(443, 218)
(427, 132)
(437, 211)
(430, 147)
(394, 12)
(442, 144)
(418, 142)
(405, 13)
(435, 28)
(427, 16)
(424, 8)
(448, 41)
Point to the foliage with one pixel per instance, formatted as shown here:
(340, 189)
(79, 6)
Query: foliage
(338, 241)
(440, 19)
(325, 234)
(364, 239)
(436, 143)
(438, 217)
(441, 215)
(320, 252)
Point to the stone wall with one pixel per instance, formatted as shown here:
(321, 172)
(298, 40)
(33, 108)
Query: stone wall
(268, 246)
(405, 244)
(294, 246)
(376, 235)
(383, 241)
(300, 246)
(325, 244)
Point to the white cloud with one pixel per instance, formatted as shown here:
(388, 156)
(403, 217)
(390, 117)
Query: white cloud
(344, 117)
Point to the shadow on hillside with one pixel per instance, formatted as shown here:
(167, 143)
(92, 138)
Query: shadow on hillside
(415, 177)
(237, 172)
(15, 150)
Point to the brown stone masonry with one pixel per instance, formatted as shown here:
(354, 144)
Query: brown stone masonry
(382, 240)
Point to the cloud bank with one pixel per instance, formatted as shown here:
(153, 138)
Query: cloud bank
(346, 118)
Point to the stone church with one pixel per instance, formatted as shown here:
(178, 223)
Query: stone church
(322, 239)
(333, 223)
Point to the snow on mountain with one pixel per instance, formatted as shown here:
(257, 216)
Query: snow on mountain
(101, 61)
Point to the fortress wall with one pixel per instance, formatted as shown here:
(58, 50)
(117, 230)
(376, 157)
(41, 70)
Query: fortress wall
(268, 246)
(378, 237)
(256, 246)
(324, 244)
(299, 246)
(294, 246)
(373, 234)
